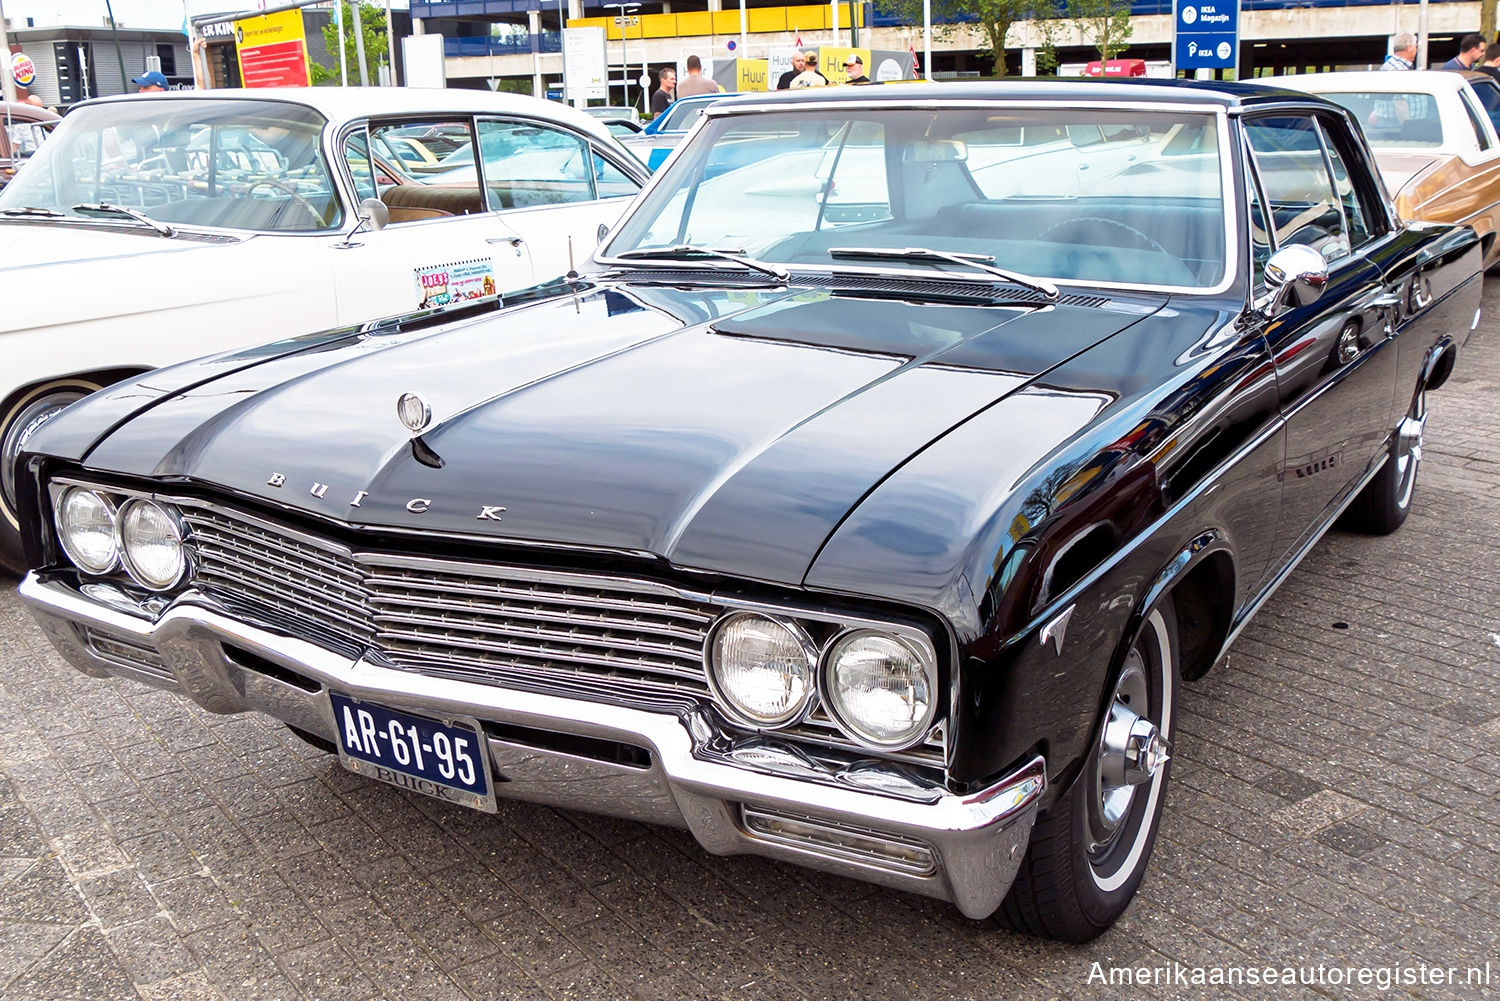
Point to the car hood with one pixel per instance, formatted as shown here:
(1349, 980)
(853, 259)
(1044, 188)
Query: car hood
(721, 430)
(60, 267)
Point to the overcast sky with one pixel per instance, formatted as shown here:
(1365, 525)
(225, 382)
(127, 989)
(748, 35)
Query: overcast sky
(130, 13)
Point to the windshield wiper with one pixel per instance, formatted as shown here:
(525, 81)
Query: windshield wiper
(984, 262)
(684, 251)
(32, 210)
(140, 217)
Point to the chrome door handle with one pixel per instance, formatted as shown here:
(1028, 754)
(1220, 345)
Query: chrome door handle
(515, 241)
(1389, 299)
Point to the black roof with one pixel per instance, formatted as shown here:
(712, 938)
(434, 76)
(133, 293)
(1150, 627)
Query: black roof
(1209, 93)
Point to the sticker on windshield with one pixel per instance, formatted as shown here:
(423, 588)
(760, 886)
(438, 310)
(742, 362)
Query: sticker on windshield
(442, 284)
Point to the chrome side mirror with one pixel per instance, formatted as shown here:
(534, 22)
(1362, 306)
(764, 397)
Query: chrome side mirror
(1296, 276)
(372, 217)
(374, 214)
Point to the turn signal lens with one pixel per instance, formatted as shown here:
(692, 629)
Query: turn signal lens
(761, 669)
(86, 527)
(152, 544)
(880, 688)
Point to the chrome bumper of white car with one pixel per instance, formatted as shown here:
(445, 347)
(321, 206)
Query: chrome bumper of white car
(871, 821)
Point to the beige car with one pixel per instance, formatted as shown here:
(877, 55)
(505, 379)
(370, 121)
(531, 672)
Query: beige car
(1436, 139)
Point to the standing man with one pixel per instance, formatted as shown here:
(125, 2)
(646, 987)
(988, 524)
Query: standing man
(1491, 64)
(149, 82)
(854, 69)
(666, 90)
(1403, 52)
(1470, 54)
(798, 65)
(696, 82)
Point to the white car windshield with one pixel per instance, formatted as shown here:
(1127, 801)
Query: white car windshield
(1114, 196)
(231, 164)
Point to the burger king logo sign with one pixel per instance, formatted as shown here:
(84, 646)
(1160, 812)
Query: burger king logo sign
(22, 70)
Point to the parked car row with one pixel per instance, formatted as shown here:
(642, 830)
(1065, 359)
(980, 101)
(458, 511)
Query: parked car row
(155, 228)
(862, 502)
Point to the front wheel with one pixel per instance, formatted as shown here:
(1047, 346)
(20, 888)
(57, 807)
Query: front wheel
(20, 421)
(1384, 503)
(1089, 851)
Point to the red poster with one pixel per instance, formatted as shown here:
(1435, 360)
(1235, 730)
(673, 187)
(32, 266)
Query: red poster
(281, 64)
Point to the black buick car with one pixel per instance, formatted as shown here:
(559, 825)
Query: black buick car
(862, 503)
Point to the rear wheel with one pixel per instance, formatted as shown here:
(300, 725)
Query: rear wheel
(25, 414)
(1384, 503)
(1089, 851)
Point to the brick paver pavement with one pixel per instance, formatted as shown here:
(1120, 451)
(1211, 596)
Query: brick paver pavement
(1335, 803)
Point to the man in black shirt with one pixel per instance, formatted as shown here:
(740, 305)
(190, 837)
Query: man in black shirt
(666, 92)
(854, 68)
(798, 65)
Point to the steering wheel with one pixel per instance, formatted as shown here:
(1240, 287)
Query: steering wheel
(296, 196)
(1076, 222)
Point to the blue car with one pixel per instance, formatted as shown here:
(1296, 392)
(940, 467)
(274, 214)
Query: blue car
(662, 134)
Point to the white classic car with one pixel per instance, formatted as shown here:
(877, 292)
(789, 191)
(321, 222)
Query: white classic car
(1436, 139)
(155, 228)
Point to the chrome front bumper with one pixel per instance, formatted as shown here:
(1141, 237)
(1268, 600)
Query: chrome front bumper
(693, 775)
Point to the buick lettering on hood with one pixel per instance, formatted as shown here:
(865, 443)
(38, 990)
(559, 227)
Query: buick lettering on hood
(864, 502)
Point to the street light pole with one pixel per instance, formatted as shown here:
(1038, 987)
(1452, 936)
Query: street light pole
(623, 20)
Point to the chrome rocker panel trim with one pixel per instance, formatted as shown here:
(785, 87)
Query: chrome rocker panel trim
(695, 779)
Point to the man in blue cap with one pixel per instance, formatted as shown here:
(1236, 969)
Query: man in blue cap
(149, 82)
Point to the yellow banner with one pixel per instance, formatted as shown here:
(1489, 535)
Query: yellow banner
(753, 74)
(272, 50)
(831, 59)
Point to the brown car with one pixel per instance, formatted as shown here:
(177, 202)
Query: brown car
(1436, 139)
(25, 126)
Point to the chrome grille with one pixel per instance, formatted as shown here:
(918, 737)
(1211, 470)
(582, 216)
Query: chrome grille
(507, 625)
(593, 636)
(305, 582)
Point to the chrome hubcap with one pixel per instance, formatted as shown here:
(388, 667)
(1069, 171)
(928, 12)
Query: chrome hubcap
(1408, 455)
(1131, 752)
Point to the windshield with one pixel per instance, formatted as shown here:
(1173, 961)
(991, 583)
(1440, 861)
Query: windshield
(682, 117)
(251, 165)
(1086, 196)
(1395, 119)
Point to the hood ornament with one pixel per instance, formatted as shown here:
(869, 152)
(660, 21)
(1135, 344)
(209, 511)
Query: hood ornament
(414, 412)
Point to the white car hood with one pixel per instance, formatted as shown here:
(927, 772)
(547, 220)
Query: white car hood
(68, 274)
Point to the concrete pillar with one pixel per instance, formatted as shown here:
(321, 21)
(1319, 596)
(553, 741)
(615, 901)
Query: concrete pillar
(715, 5)
(1028, 62)
(575, 9)
(416, 26)
(534, 25)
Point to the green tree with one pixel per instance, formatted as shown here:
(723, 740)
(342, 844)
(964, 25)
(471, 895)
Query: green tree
(1105, 23)
(372, 20)
(991, 18)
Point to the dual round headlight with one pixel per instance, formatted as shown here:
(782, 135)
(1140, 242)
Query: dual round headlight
(879, 687)
(142, 535)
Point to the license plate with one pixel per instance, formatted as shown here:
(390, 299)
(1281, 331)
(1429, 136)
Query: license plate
(447, 759)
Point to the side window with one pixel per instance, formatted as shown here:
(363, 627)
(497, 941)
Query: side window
(1260, 231)
(357, 159)
(1288, 154)
(1488, 93)
(1480, 135)
(610, 181)
(528, 164)
(432, 166)
(1355, 215)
